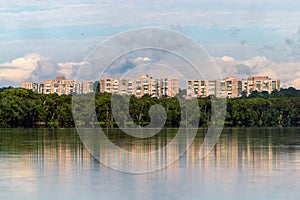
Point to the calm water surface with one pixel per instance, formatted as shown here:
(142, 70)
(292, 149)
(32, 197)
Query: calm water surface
(245, 164)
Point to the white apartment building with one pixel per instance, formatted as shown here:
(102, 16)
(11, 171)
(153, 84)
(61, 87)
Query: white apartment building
(140, 86)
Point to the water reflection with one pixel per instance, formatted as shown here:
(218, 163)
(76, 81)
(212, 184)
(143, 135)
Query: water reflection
(237, 149)
(245, 163)
(33, 152)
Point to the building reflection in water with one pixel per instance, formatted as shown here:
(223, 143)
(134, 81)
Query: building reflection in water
(38, 163)
(55, 151)
(236, 149)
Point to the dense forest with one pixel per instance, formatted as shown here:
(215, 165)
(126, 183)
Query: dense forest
(25, 108)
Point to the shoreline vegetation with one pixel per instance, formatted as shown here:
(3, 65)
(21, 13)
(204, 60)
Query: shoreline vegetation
(25, 108)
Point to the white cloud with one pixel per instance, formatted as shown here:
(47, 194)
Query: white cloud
(35, 67)
(260, 61)
(287, 72)
(19, 69)
(27, 62)
(69, 69)
(142, 59)
(295, 83)
(227, 59)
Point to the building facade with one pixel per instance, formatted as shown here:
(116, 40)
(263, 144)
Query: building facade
(31, 86)
(61, 86)
(140, 86)
(261, 83)
(230, 87)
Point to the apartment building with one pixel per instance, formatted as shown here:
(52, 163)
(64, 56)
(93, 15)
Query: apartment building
(31, 86)
(261, 83)
(61, 86)
(141, 86)
(233, 87)
(230, 87)
(199, 88)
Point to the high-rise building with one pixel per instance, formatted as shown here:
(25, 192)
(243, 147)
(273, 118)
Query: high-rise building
(200, 88)
(230, 87)
(262, 83)
(31, 86)
(61, 86)
(141, 86)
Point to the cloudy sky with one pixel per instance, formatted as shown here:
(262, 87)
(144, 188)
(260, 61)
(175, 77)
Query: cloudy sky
(42, 39)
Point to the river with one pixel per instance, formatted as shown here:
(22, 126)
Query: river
(246, 163)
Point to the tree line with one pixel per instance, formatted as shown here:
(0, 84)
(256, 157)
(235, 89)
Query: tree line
(25, 108)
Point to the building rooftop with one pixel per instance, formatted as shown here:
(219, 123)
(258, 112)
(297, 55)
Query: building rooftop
(60, 78)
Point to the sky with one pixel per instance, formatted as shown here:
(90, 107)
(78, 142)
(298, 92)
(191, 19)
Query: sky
(41, 39)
